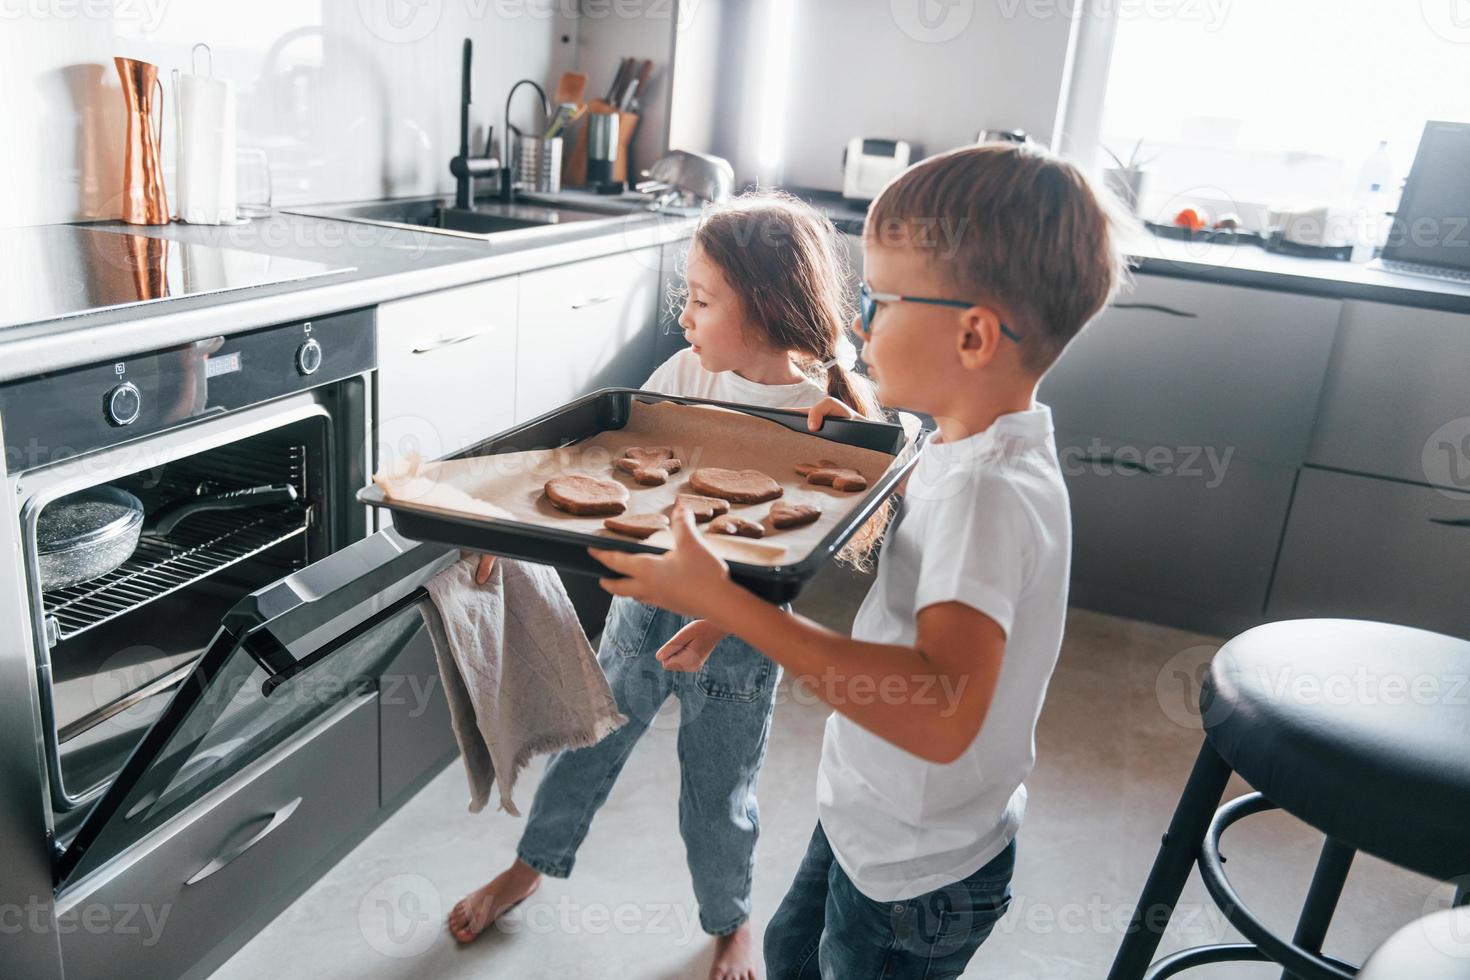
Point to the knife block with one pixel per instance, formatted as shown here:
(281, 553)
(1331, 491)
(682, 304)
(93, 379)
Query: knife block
(574, 167)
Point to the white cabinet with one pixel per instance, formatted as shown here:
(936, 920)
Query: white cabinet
(584, 326)
(446, 369)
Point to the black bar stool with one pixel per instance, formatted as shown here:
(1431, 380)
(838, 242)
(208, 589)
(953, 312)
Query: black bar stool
(1359, 729)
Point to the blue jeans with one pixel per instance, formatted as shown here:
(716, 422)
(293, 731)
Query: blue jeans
(724, 721)
(826, 928)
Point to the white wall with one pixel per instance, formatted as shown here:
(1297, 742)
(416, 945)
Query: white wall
(878, 68)
(348, 102)
(608, 31)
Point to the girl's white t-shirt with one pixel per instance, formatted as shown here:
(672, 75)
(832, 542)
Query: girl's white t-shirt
(684, 376)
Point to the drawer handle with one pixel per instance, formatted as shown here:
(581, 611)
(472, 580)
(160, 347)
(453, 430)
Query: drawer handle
(277, 818)
(447, 342)
(582, 304)
(1451, 521)
(1108, 459)
(1157, 308)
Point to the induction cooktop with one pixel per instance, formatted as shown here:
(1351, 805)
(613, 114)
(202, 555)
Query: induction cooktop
(49, 272)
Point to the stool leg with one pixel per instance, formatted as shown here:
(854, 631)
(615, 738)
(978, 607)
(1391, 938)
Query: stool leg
(1176, 857)
(1326, 888)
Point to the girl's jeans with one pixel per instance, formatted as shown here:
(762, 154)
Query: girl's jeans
(724, 720)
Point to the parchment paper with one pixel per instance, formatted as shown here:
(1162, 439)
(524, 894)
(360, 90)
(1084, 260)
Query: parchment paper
(510, 485)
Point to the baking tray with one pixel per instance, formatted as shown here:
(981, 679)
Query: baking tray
(610, 409)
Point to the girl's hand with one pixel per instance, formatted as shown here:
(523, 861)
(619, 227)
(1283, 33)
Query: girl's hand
(828, 406)
(686, 579)
(688, 649)
(482, 570)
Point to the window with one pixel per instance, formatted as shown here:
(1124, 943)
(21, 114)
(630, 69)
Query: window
(1241, 104)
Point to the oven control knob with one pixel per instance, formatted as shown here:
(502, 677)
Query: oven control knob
(123, 404)
(309, 357)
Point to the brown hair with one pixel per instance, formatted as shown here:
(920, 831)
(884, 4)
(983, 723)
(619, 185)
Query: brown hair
(783, 259)
(1016, 226)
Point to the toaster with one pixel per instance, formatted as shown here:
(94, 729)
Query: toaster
(869, 164)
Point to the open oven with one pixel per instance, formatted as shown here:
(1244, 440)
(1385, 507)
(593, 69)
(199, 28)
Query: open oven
(254, 599)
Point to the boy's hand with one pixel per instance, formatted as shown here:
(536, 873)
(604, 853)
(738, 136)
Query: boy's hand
(688, 649)
(687, 579)
(828, 406)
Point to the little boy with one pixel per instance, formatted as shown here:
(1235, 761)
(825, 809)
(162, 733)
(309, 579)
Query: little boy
(981, 266)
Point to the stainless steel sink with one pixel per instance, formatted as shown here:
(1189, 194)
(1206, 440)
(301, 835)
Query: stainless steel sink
(494, 219)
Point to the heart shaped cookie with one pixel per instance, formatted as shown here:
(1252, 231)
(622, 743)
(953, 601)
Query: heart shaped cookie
(736, 486)
(704, 508)
(586, 497)
(637, 525)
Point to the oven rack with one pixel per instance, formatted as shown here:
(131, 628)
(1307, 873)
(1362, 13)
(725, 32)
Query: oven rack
(205, 544)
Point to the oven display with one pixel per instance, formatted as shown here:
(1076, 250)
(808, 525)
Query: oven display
(222, 364)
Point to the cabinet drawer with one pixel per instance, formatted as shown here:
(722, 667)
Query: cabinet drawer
(1177, 362)
(413, 725)
(1397, 376)
(446, 375)
(1366, 548)
(1154, 522)
(295, 812)
(585, 326)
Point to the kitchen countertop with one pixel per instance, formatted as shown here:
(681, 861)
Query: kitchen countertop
(1238, 265)
(387, 264)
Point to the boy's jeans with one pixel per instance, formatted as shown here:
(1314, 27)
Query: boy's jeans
(826, 928)
(724, 719)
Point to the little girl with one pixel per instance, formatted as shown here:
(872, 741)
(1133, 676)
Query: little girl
(766, 315)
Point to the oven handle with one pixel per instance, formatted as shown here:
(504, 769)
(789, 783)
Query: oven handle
(218, 864)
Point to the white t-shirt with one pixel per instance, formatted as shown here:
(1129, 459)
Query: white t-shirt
(985, 521)
(684, 376)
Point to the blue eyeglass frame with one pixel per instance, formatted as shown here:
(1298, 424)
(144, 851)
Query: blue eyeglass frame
(868, 301)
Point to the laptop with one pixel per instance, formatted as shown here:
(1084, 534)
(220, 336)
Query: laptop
(1431, 230)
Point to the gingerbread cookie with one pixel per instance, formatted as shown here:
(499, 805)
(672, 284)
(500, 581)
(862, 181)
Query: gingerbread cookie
(586, 497)
(736, 486)
(730, 524)
(703, 508)
(649, 465)
(825, 473)
(785, 516)
(637, 525)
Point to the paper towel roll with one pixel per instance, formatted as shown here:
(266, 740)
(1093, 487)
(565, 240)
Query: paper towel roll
(205, 181)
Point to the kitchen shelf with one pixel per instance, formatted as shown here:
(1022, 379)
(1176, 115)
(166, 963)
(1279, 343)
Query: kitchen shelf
(202, 546)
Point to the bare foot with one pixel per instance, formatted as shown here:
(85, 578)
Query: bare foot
(734, 956)
(473, 914)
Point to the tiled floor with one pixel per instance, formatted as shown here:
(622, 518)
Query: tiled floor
(1116, 740)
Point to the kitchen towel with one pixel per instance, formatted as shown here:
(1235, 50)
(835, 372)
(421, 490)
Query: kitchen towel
(520, 676)
(205, 166)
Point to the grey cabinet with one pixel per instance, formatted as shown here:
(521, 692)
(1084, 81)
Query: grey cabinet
(1180, 363)
(1368, 548)
(232, 858)
(1170, 536)
(1397, 398)
(585, 326)
(414, 728)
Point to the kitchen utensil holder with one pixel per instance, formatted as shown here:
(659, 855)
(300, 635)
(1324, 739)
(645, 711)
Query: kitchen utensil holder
(538, 164)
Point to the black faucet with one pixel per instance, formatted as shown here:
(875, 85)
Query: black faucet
(465, 167)
(507, 172)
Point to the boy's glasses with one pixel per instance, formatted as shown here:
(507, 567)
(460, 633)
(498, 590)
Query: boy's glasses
(868, 305)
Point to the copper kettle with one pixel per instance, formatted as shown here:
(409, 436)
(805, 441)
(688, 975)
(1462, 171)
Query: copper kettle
(143, 199)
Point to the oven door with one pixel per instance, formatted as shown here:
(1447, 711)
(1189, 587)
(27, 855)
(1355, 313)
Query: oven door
(281, 656)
